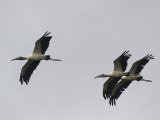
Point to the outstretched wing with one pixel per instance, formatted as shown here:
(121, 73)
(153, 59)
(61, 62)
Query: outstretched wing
(42, 44)
(120, 64)
(118, 89)
(109, 85)
(27, 70)
(139, 65)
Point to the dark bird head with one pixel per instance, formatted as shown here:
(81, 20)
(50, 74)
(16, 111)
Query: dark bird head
(19, 58)
(102, 76)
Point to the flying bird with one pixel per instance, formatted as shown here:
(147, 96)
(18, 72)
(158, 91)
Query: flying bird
(133, 75)
(35, 57)
(120, 65)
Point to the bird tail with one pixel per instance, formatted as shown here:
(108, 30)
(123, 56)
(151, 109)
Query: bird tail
(145, 80)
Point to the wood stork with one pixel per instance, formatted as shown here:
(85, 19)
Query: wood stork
(133, 75)
(34, 59)
(120, 65)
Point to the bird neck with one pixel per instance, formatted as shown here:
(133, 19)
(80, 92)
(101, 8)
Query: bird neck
(25, 58)
(108, 75)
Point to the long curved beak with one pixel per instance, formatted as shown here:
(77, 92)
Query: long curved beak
(97, 77)
(101, 76)
(14, 59)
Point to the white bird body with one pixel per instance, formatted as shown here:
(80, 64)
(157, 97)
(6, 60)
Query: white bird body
(120, 65)
(117, 74)
(34, 58)
(133, 75)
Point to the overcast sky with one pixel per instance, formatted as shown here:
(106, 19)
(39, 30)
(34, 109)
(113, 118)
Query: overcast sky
(87, 35)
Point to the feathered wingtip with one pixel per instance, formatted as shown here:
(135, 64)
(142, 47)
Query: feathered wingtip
(106, 95)
(46, 34)
(22, 80)
(112, 101)
(149, 56)
(126, 53)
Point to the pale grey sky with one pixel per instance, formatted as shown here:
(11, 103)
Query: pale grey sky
(88, 35)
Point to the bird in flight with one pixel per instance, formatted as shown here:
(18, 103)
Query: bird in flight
(35, 57)
(133, 75)
(120, 65)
